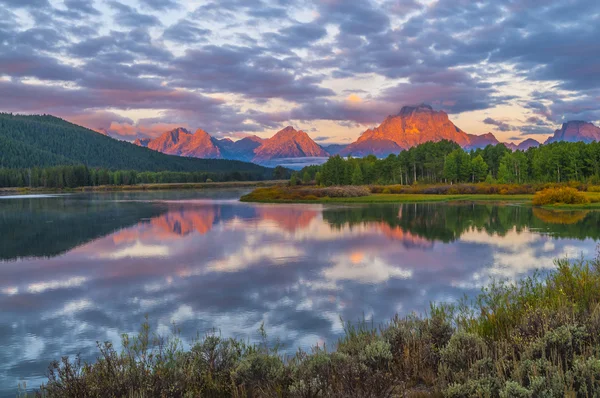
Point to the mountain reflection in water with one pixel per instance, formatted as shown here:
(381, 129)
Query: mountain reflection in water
(79, 269)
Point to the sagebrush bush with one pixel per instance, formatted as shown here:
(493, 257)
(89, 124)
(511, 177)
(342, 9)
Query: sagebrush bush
(562, 195)
(538, 337)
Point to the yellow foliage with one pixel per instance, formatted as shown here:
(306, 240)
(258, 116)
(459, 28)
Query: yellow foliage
(563, 195)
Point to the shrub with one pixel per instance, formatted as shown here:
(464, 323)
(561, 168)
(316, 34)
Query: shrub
(538, 337)
(563, 195)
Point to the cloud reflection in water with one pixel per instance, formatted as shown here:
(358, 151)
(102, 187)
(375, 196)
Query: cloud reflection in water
(232, 266)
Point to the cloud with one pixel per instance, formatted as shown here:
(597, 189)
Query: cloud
(130, 17)
(245, 71)
(273, 60)
(500, 126)
(82, 6)
(161, 5)
(298, 36)
(186, 31)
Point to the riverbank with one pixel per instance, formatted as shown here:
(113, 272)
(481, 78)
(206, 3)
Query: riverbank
(537, 337)
(146, 187)
(366, 195)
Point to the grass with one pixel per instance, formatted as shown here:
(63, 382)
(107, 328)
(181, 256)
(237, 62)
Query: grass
(537, 337)
(283, 194)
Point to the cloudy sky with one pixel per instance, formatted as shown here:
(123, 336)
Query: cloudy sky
(517, 68)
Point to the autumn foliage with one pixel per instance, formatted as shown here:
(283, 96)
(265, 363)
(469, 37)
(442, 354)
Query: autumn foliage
(561, 195)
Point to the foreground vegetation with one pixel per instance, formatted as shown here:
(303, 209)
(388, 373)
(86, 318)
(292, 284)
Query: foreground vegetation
(539, 337)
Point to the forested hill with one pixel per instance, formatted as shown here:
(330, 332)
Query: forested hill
(42, 141)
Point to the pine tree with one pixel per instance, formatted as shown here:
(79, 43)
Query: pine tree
(357, 176)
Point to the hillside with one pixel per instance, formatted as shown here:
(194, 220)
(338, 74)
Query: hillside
(28, 141)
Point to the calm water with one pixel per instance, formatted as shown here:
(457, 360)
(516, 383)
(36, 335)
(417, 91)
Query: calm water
(78, 269)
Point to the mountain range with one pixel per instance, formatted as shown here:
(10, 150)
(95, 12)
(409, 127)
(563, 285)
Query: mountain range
(287, 143)
(412, 126)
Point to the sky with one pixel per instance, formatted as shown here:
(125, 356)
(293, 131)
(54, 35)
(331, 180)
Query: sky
(138, 68)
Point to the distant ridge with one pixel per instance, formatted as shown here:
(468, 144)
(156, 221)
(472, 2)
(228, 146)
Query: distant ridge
(576, 130)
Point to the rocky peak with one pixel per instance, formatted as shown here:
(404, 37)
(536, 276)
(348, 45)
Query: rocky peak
(287, 132)
(411, 109)
(142, 142)
(576, 130)
(288, 143)
(201, 133)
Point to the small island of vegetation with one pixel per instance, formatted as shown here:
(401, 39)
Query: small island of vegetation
(561, 174)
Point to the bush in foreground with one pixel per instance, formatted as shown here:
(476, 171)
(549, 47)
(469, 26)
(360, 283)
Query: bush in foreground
(538, 337)
(562, 195)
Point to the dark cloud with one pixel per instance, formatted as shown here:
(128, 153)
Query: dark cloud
(536, 130)
(82, 6)
(455, 55)
(129, 17)
(298, 35)
(246, 71)
(24, 63)
(161, 5)
(186, 31)
(25, 3)
(500, 125)
(354, 18)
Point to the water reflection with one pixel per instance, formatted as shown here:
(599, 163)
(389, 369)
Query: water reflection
(86, 268)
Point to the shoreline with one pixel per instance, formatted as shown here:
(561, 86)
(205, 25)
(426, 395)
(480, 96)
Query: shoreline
(145, 187)
(397, 198)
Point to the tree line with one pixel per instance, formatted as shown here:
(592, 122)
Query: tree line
(80, 176)
(446, 162)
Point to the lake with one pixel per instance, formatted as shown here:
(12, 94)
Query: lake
(81, 268)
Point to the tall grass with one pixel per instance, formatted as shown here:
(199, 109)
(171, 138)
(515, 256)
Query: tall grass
(538, 337)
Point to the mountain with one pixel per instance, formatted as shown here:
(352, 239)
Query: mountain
(412, 126)
(481, 141)
(288, 143)
(240, 150)
(334, 149)
(576, 130)
(181, 142)
(143, 142)
(43, 141)
(523, 146)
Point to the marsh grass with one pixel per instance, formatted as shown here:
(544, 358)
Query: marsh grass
(537, 337)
